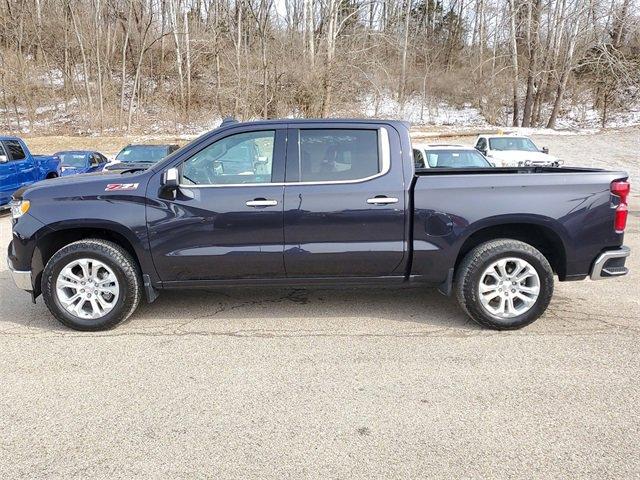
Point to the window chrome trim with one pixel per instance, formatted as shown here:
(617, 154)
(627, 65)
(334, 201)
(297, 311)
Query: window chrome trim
(385, 162)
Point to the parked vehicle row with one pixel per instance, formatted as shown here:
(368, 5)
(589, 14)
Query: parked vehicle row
(514, 151)
(19, 168)
(75, 162)
(317, 202)
(489, 151)
(448, 156)
(140, 156)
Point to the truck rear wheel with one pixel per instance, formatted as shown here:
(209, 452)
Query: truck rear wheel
(91, 285)
(504, 284)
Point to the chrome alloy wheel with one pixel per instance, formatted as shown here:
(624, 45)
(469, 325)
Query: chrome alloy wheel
(509, 287)
(87, 288)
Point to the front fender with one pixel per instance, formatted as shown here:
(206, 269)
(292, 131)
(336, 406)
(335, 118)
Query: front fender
(136, 238)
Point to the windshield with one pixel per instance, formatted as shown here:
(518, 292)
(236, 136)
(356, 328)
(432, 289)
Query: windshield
(513, 143)
(142, 153)
(455, 159)
(76, 160)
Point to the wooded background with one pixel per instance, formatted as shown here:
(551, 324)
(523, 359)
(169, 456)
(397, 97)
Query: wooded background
(96, 65)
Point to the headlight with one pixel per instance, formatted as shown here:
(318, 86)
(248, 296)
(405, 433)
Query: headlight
(19, 208)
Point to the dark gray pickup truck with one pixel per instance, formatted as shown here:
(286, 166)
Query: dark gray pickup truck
(315, 203)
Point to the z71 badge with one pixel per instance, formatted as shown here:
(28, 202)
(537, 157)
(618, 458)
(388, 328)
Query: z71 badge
(121, 186)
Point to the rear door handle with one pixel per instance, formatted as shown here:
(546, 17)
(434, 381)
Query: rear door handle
(380, 200)
(261, 202)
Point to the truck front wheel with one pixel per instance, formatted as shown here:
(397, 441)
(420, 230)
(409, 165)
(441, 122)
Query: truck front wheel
(91, 285)
(504, 284)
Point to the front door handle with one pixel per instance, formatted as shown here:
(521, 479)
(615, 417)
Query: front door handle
(382, 200)
(261, 202)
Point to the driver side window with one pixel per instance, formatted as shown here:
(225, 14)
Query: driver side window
(236, 159)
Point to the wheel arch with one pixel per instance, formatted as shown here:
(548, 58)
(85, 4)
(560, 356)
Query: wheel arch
(544, 234)
(63, 234)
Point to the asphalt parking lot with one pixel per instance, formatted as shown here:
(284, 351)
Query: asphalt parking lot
(250, 383)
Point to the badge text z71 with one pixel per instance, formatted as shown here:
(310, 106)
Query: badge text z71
(111, 187)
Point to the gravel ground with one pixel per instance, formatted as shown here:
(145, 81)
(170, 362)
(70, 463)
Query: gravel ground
(330, 383)
(612, 149)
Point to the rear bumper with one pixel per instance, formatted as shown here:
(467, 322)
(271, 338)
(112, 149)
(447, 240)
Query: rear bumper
(610, 264)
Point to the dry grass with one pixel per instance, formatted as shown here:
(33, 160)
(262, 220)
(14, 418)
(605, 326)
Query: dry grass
(111, 145)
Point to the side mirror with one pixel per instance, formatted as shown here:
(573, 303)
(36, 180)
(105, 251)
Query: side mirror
(545, 150)
(170, 178)
(3, 159)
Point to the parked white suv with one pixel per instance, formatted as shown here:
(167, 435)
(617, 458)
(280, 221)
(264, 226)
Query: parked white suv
(447, 156)
(514, 151)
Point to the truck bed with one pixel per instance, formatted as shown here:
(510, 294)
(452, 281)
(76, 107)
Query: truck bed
(569, 208)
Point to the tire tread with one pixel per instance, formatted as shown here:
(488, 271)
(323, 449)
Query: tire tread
(119, 255)
(473, 261)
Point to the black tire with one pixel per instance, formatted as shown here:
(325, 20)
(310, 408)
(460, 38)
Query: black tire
(473, 265)
(115, 257)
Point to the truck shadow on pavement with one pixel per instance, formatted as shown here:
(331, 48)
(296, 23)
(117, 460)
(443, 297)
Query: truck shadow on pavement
(262, 311)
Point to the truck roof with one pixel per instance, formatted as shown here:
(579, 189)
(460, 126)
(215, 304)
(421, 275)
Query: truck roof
(502, 135)
(76, 151)
(231, 122)
(442, 146)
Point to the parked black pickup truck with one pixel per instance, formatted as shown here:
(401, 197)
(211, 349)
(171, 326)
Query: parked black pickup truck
(315, 202)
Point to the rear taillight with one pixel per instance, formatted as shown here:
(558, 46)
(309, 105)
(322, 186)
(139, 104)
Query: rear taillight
(621, 189)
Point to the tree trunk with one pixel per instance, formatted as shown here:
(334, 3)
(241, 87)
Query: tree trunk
(562, 85)
(123, 72)
(187, 49)
(331, 48)
(405, 45)
(239, 6)
(514, 62)
(310, 31)
(85, 63)
(533, 36)
(619, 26)
(98, 30)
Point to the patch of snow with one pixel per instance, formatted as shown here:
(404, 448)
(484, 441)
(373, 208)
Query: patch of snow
(583, 117)
(52, 78)
(417, 112)
(528, 131)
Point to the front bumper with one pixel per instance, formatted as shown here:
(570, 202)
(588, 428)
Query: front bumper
(610, 264)
(21, 278)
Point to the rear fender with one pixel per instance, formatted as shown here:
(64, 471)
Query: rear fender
(545, 233)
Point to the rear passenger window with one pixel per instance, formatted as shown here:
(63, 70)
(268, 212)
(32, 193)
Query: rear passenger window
(15, 149)
(338, 154)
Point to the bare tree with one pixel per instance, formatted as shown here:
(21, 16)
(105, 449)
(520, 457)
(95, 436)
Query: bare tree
(518, 61)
